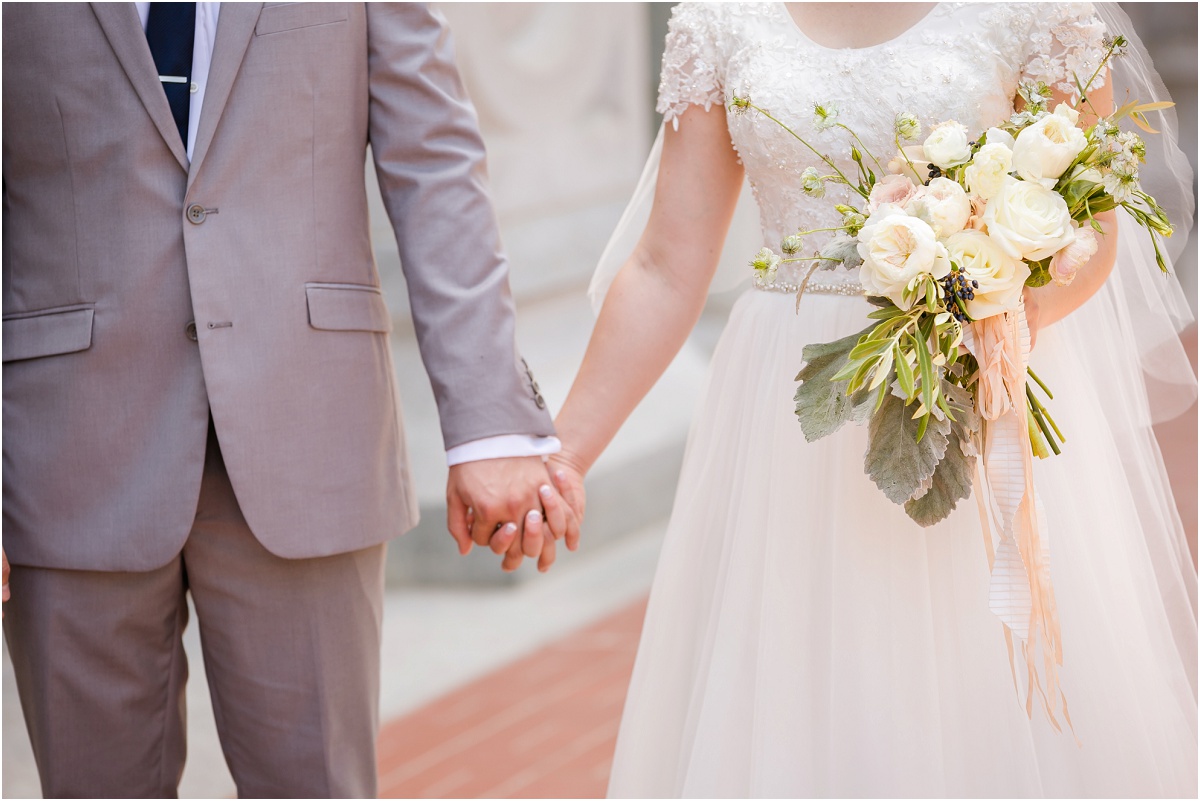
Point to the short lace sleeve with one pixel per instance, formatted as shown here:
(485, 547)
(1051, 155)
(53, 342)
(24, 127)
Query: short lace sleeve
(693, 67)
(1064, 39)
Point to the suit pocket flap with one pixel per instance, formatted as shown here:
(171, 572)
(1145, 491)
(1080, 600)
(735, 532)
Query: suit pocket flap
(48, 333)
(291, 16)
(347, 307)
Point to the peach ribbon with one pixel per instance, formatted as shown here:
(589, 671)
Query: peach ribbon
(1014, 525)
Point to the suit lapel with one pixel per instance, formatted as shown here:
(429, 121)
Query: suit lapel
(235, 26)
(124, 31)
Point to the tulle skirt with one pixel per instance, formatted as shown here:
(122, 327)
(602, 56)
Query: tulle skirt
(805, 638)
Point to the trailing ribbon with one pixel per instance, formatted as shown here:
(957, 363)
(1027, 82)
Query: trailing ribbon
(1014, 526)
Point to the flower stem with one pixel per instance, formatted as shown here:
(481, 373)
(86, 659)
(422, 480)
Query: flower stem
(863, 146)
(1103, 62)
(818, 153)
(907, 160)
(1040, 383)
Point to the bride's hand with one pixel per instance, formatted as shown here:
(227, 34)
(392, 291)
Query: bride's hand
(1032, 313)
(568, 479)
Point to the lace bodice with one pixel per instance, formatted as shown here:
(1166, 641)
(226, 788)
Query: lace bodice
(963, 61)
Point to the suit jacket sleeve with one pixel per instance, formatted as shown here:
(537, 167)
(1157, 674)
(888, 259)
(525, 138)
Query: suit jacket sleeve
(430, 161)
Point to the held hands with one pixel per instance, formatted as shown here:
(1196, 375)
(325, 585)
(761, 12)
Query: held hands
(511, 507)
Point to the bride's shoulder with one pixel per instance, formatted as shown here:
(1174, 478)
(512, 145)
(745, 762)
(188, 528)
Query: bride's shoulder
(700, 39)
(1042, 27)
(718, 19)
(1047, 42)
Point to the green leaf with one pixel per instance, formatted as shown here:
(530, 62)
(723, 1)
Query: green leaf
(882, 372)
(925, 363)
(848, 372)
(895, 461)
(868, 348)
(1122, 111)
(886, 314)
(822, 404)
(1039, 273)
(904, 373)
(1140, 121)
(1076, 191)
(861, 374)
(1158, 106)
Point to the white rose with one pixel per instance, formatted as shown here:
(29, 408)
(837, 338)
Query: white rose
(999, 276)
(946, 145)
(1067, 261)
(999, 136)
(897, 249)
(1044, 150)
(985, 174)
(1063, 110)
(1028, 220)
(944, 205)
(910, 162)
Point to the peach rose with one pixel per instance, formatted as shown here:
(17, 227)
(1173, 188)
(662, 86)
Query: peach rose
(1066, 262)
(898, 189)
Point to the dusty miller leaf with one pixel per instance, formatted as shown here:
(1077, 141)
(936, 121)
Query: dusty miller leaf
(843, 248)
(895, 461)
(821, 404)
(951, 482)
(955, 475)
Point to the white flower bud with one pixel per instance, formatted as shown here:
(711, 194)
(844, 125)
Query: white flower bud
(792, 244)
(907, 126)
(766, 263)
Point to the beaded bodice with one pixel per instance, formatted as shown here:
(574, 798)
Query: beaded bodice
(963, 61)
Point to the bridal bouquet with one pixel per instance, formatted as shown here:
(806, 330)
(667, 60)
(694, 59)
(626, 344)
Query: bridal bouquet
(946, 237)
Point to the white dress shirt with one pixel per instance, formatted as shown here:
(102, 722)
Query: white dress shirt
(504, 446)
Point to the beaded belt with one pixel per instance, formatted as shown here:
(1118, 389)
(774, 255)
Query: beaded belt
(815, 286)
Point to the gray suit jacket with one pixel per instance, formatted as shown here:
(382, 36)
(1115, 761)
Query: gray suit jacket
(114, 244)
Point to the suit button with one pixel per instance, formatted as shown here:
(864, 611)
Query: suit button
(190, 330)
(540, 401)
(196, 214)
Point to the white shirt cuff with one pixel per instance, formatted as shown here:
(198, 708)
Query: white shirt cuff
(504, 446)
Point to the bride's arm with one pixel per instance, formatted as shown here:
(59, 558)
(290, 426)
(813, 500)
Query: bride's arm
(1047, 305)
(658, 295)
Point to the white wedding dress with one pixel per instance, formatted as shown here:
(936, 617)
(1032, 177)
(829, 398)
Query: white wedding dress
(804, 637)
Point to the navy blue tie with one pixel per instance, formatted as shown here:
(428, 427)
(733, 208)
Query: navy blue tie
(171, 32)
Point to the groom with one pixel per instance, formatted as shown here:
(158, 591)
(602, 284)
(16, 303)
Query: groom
(198, 386)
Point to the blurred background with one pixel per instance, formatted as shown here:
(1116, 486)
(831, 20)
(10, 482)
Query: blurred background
(565, 94)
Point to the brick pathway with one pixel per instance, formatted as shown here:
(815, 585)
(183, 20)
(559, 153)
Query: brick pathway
(543, 727)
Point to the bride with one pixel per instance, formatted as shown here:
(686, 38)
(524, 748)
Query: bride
(803, 636)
